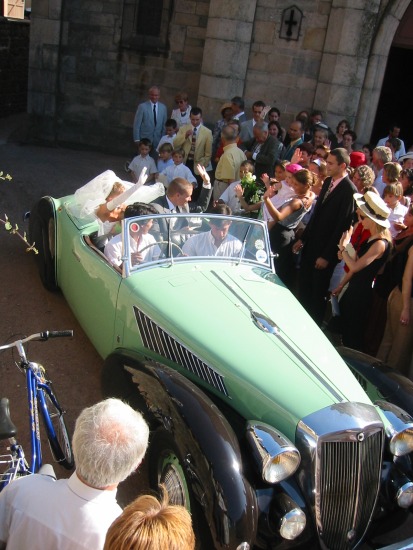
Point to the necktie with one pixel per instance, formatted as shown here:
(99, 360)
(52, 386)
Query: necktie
(154, 115)
(193, 143)
(330, 188)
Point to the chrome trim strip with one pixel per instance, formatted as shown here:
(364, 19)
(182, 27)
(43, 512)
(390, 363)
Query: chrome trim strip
(276, 331)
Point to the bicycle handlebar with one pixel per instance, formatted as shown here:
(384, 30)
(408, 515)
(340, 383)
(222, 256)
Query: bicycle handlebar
(55, 334)
(41, 336)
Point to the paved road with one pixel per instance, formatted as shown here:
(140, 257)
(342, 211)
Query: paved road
(25, 307)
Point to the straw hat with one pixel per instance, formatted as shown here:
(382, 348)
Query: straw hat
(374, 207)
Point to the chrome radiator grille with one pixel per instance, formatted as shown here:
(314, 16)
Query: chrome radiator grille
(347, 485)
(158, 340)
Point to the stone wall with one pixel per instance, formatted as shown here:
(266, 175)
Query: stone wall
(93, 100)
(14, 61)
(85, 86)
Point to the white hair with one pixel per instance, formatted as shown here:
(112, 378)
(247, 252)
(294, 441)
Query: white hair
(109, 442)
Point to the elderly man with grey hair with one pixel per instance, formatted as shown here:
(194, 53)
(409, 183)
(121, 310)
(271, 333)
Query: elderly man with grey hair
(262, 149)
(37, 512)
(381, 155)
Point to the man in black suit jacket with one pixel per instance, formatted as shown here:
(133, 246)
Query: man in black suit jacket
(263, 150)
(333, 214)
(178, 199)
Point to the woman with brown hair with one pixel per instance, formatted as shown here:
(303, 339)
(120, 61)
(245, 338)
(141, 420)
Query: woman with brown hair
(286, 219)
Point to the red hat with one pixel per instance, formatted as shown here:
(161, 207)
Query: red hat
(357, 158)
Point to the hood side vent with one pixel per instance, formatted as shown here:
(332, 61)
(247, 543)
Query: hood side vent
(158, 340)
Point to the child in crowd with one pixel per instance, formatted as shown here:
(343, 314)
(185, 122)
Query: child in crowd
(229, 196)
(178, 169)
(143, 160)
(391, 195)
(406, 179)
(165, 157)
(171, 127)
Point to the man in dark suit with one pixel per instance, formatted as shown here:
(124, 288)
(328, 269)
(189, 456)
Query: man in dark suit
(238, 106)
(263, 150)
(178, 200)
(295, 132)
(150, 119)
(333, 214)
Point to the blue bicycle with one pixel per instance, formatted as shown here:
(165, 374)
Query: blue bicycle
(42, 401)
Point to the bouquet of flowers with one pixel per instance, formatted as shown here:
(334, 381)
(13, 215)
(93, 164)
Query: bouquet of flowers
(253, 192)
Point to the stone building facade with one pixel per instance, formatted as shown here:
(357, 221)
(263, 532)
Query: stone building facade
(14, 57)
(92, 61)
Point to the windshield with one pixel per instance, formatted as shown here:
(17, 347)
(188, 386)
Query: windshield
(180, 237)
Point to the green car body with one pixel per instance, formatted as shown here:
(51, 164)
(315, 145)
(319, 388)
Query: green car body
(216, 343)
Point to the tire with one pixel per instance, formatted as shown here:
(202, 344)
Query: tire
(56, 430)
(42, 233)
(167, 467)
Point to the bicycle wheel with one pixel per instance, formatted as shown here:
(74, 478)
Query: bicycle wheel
(56, 430)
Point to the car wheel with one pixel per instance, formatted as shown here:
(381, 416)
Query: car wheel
(42, 233)
(166, 468)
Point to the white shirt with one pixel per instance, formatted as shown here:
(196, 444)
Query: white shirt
(39, 513)
(204, 245)
(230, 198)
(166, 139)
(399, 153)
(138, 163)
(285, 193)
(396, 215)
(113, 250)
(179, 171)
(378, 183)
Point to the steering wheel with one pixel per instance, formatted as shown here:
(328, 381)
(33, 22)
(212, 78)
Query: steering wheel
(162, 242)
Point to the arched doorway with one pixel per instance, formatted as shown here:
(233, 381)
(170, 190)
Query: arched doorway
(395, 104)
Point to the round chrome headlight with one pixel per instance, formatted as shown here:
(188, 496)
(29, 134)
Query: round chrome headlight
(404, 495)
(292, 524)
(276, 457)
(399, 430)
(402, 442)
(281, 466)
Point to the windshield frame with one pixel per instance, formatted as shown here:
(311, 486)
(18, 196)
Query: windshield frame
(252, 231)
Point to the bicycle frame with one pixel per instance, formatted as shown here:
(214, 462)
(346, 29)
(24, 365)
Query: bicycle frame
(40, 396)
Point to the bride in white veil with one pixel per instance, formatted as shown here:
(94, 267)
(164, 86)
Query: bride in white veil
(105, 198)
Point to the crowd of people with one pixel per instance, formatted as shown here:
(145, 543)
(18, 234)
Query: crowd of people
(338, 215)
(340, 220)
(338, 212)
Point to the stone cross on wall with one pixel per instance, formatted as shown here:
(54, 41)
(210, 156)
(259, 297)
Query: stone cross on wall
(291, 23)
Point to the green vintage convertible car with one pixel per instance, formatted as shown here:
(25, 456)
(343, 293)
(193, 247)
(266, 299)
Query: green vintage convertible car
(258, 426)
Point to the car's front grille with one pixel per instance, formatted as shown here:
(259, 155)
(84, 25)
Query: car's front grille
(158, 340)
(341, 450)
(348, 482)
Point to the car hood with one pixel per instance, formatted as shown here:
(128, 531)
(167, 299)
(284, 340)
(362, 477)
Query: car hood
(211, 310)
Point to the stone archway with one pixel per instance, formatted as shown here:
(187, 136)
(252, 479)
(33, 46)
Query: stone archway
(376, 67)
